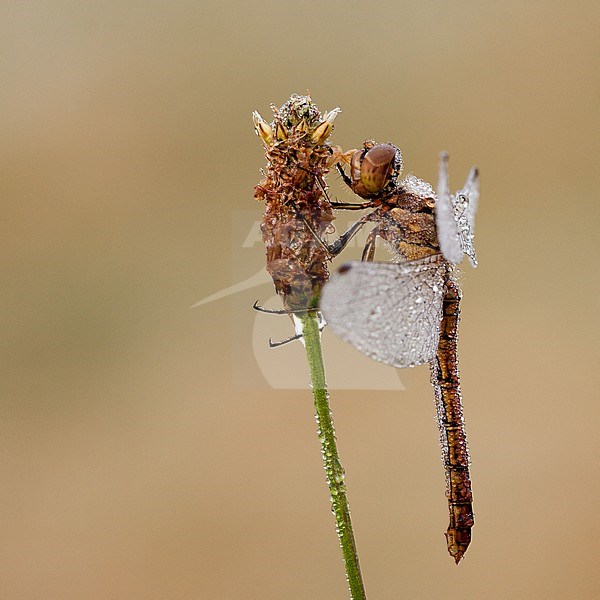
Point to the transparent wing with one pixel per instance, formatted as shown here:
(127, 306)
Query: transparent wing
(455, 215)
(389, 311)
(465, 207)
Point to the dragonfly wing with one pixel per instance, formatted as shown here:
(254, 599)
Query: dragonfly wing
(445, 219)
(465, 207)
(471, 191)
(389, 311)
(455, 215)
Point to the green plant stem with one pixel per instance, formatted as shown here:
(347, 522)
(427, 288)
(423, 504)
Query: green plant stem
(333, 468)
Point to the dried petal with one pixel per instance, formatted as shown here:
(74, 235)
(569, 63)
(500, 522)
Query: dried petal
(262, 128)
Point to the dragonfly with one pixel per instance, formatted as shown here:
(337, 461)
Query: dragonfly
(406, 312)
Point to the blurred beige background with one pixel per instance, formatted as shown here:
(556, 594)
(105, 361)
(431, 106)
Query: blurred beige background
(143, 455)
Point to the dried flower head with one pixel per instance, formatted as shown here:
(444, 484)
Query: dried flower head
(297, 213)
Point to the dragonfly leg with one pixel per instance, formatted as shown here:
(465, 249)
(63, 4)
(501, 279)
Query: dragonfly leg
(319, 180)
(336, 247)
(343, 175)
(352, 205)
(317, 237)
(283, 311)
(297, 336)
(269, 311)
(369, 252)
(273, 344)
(345, 238)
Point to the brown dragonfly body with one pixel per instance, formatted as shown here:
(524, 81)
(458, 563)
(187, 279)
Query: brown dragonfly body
(406, 312)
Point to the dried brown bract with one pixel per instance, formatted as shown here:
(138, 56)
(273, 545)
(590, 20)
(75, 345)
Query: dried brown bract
(297, 214)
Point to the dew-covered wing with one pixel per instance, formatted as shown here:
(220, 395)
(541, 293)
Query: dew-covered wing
(389, 311)
(455, 215)
(465, 206)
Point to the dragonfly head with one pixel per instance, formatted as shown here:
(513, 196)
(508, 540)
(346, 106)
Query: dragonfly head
(375, 168)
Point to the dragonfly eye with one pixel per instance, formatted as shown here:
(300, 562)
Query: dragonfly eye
(377, 167)
(356, 173)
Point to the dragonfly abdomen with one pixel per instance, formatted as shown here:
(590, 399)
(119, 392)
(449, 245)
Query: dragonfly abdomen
(453, 439)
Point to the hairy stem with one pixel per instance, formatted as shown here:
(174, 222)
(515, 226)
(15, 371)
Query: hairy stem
(333, 468)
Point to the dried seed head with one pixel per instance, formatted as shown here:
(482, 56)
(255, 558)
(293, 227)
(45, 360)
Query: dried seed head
(297, 212)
